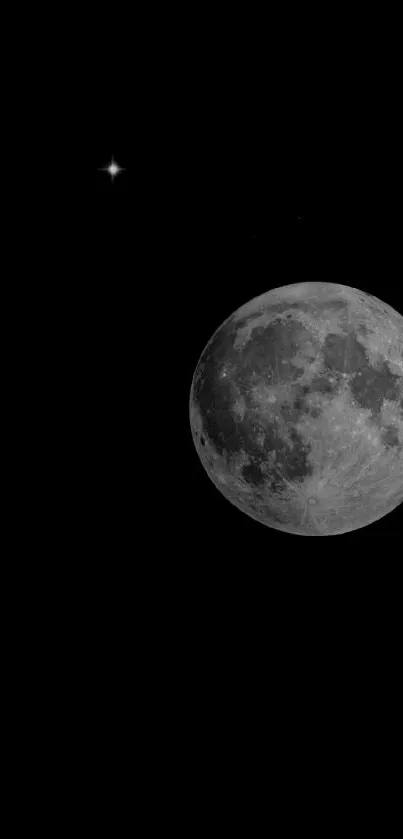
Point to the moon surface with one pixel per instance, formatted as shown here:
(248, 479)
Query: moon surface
(296, 409)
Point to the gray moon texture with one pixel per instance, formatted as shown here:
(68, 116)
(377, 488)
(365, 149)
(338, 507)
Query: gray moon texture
(296, 409)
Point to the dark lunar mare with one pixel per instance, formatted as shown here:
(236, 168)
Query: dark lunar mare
(216, 396)
(252, 474)
(343, 353)
(321, 385)
(299, 403)
(369, 385)
(291, 460)
(389, 437)
(269, 352)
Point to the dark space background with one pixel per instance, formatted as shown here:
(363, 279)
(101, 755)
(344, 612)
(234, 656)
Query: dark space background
(238, 179)
(230, 190)
(152, 624)
(225, 198)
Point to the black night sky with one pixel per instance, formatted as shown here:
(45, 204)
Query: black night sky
(151, 628)
(222, 199)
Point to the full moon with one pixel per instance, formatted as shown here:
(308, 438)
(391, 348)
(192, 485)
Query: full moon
(296, 409)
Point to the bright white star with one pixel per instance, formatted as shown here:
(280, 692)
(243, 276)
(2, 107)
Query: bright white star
(113, 169)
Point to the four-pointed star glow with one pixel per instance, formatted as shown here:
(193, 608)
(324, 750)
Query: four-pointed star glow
(113, 169)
